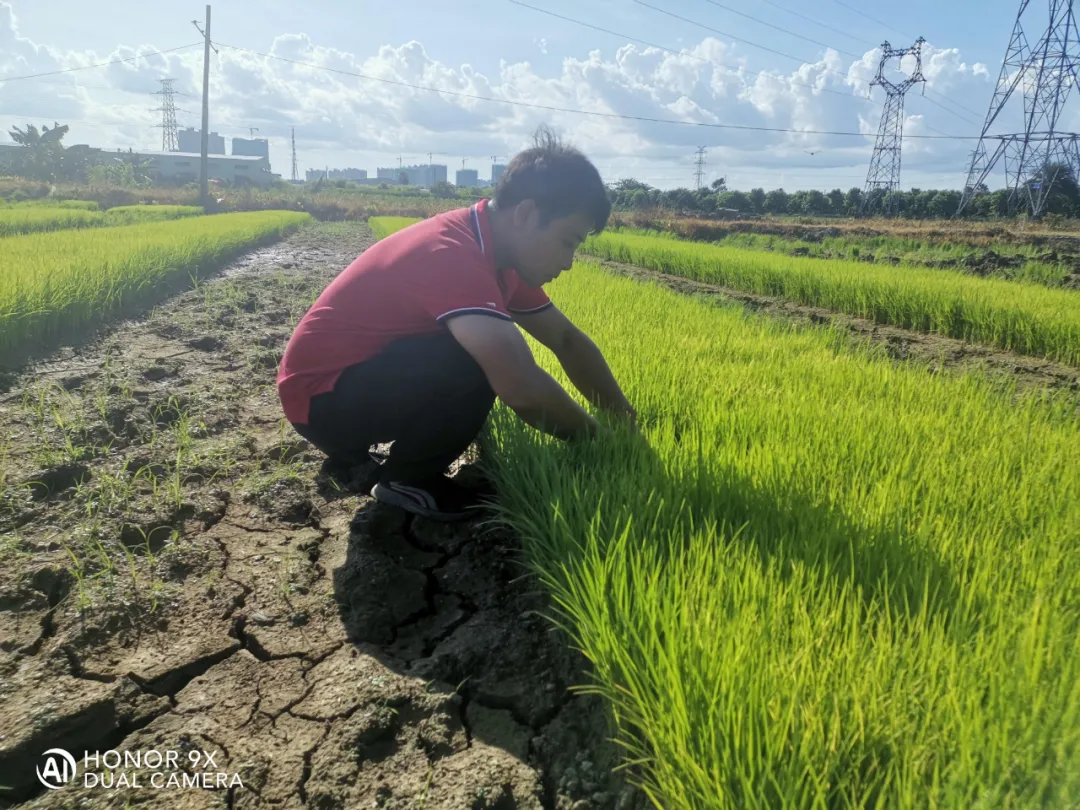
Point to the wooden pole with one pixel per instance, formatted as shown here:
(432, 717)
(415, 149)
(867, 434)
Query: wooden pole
(204, 162)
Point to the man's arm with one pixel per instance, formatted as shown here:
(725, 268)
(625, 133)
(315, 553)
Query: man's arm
(509, 365)
(580, 357)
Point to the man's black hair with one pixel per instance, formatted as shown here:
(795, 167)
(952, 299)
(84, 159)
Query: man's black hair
(558, 178)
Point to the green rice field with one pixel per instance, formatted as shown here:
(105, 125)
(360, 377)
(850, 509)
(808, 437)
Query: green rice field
(63, 280)
(819, 579)
(32, 218)
(1025, 318)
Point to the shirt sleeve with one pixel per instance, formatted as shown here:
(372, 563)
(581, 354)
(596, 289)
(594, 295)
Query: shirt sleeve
(528, 301)
(464, 289)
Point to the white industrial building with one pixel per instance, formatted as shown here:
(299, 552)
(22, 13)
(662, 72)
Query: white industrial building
(425, 176)
(183, 167)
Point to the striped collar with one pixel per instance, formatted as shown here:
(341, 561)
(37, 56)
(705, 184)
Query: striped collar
(481, 228)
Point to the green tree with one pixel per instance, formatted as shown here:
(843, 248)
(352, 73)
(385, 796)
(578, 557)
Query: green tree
(852, 200)
(41, 156)
(757, 200)
(776, 202)
(719, 184)
(836, 202)
(816, 203)
(734, 199)
(443, 190)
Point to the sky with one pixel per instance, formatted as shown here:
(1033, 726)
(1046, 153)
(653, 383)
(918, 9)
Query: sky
(701, 62)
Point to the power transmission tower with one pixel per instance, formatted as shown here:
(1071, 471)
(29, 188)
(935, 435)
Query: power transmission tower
(170, 139)
(883, 179)
(1040, 156)
(295, 173)
(699, 173)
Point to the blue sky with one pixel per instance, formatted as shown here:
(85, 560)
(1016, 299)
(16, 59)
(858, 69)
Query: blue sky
(501, 49)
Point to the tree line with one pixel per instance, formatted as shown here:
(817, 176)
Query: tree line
(632, 195)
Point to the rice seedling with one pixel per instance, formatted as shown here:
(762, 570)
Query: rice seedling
(820, 578)
(63, 281)
(1025, 318)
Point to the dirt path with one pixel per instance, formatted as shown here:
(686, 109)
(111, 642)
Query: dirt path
(901, 344)
(180, 573)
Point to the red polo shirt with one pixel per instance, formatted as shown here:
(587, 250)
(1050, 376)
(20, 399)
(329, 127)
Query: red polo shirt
(410, 283)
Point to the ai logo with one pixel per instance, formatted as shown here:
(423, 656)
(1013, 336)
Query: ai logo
(59, 768)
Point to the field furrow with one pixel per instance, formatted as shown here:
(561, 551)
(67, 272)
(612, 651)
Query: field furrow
(1024, 318)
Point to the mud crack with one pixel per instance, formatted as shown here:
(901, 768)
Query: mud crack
(78, 670)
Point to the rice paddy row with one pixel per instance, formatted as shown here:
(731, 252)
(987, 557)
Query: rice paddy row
(32, 219)
(1024, 318)
(52, 283)
(822, 579)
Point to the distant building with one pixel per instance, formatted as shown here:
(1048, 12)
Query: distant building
(467, 178)
(497, 170)
(425, 176)
(257, 147)
(183, 167)
(336, 174)
(190, 140)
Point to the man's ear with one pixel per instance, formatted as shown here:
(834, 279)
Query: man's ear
(524, 211)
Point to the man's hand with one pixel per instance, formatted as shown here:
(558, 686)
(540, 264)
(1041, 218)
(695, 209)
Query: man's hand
(626, 413)
(507, 362)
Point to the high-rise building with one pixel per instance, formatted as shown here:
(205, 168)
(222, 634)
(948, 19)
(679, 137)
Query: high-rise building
(336, 174)
(426, 175)
(257, 147)
(497, 170)
(190, 140)
(467, 178)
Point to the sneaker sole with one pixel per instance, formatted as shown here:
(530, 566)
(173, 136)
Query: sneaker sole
(409, 503)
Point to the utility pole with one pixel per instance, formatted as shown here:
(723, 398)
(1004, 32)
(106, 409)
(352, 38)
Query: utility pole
(1045, 75)
(883, 179)
(204, 163)
(169, 137)
(463, 162)
(699, 173)
(295, 173)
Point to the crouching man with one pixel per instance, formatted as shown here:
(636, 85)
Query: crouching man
(414, 340)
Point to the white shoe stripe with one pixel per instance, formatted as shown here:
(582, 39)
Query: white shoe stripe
(421, 495)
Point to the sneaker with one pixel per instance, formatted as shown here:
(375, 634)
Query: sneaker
(438, 498)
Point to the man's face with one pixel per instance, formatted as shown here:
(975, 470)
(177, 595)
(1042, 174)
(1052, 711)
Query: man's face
(543, 252)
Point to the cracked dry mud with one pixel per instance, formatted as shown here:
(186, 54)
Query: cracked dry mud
(182, 572)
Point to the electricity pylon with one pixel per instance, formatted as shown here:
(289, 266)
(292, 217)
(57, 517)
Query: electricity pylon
(1037, 158)
(170, 139)
(883, 179)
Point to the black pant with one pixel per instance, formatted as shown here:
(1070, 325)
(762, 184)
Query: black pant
(424, 393)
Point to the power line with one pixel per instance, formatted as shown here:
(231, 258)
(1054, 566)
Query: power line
(725, 34)
(102, 64)
(772, 50)
(782, 30)
(595, 113)
(736, 68)
(872, 19)
(815, 22)
(710, 61)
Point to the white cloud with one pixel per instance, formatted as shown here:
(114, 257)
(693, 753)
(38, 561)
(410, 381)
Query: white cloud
(353, 121)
